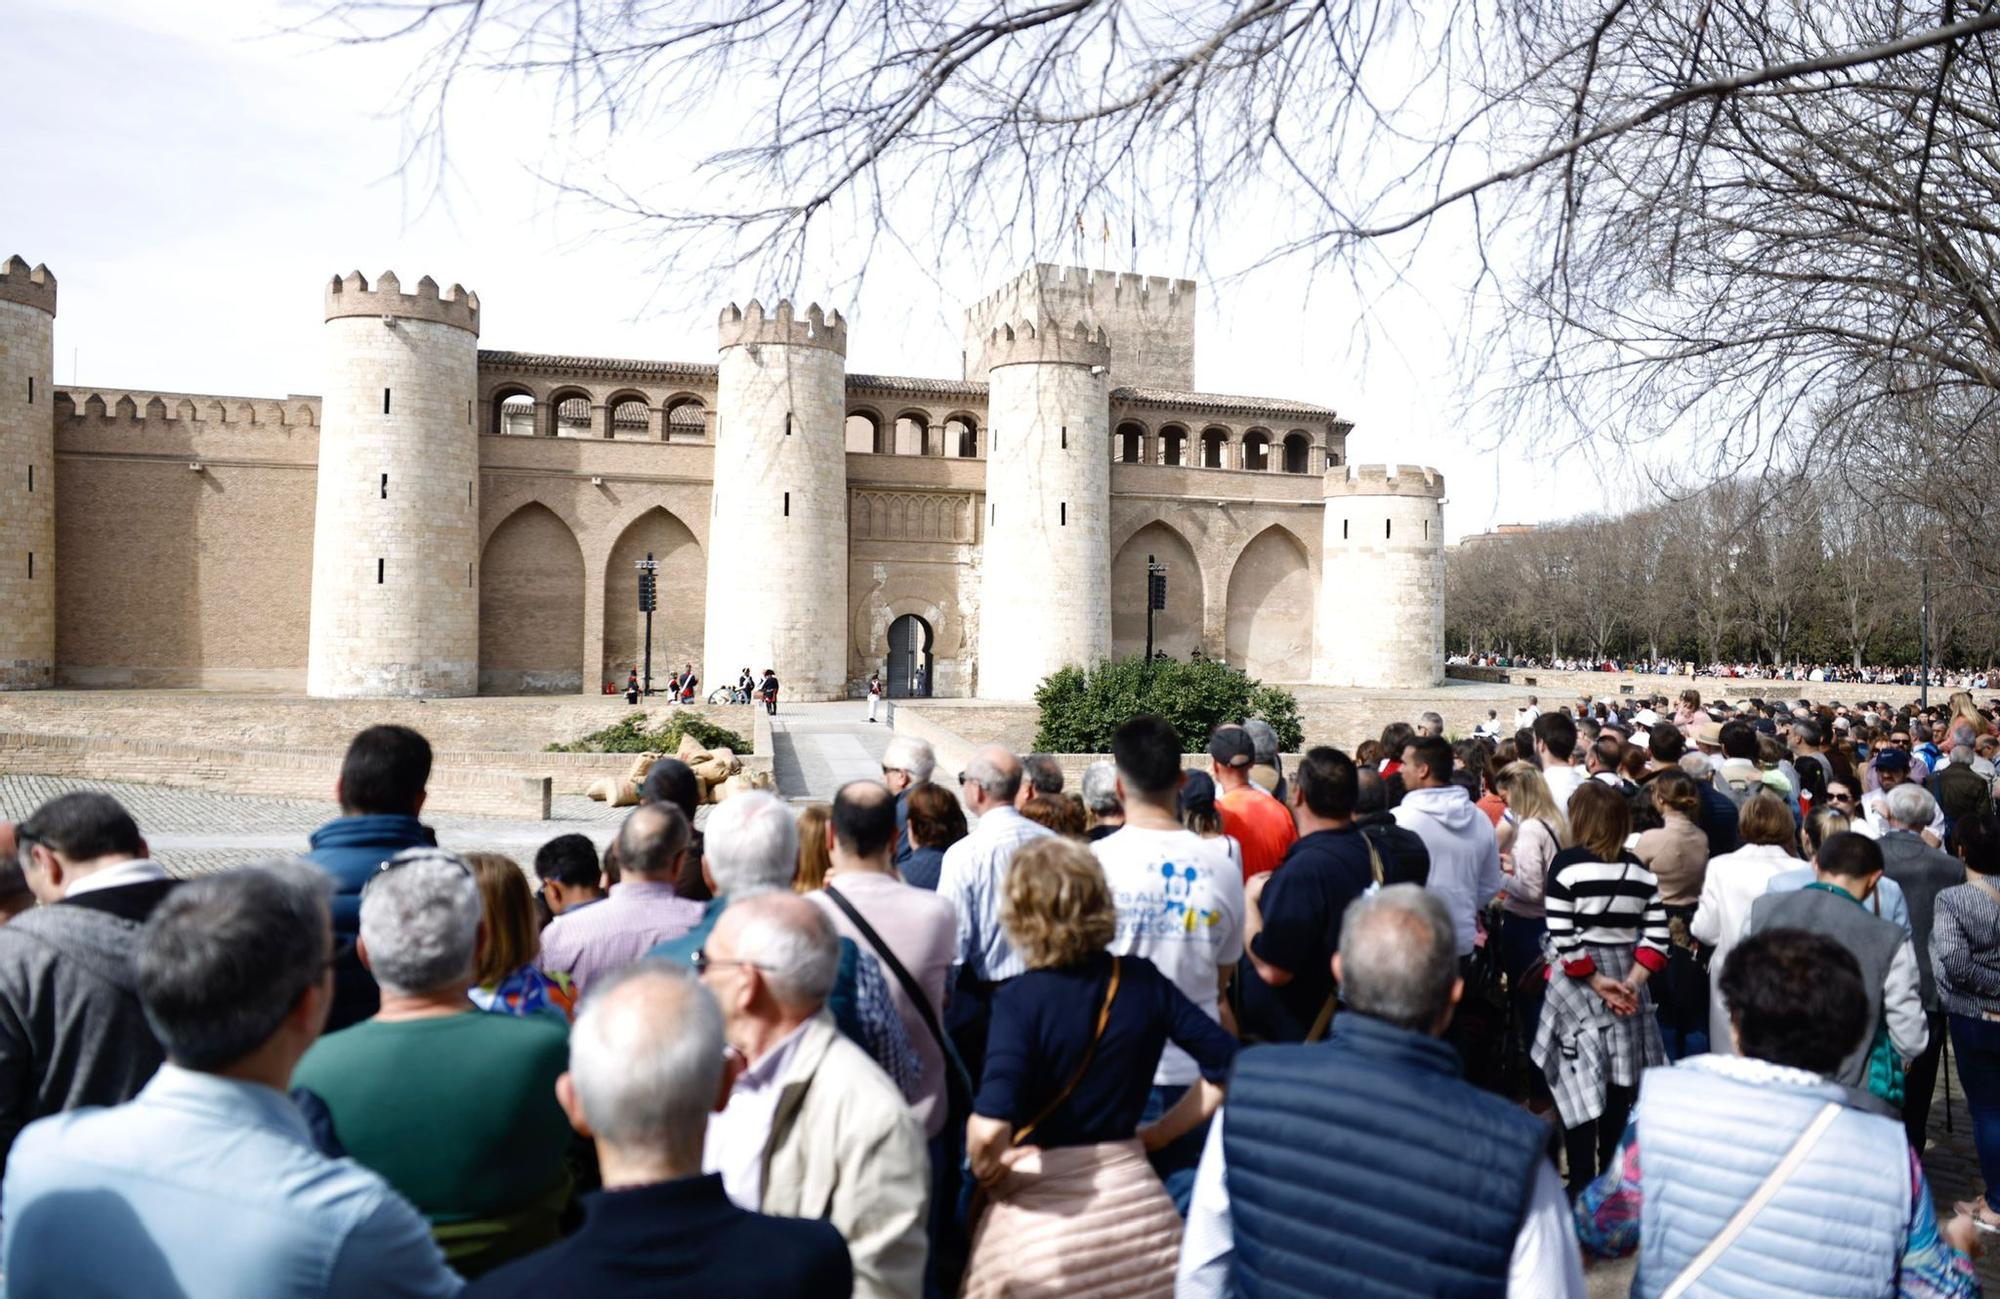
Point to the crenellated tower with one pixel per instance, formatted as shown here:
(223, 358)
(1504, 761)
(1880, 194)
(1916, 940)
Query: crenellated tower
(777, 538)
(395, 594)
(1381, 600)
(27, 470)
(1045, 580)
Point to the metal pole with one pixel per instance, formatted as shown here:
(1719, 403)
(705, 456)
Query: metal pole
(646, 688)
(1149, 608)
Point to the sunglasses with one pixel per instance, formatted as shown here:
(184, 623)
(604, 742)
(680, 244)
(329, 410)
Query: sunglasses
(1840, 798)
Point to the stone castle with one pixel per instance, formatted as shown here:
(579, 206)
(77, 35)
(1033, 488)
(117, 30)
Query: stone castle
(446, 520)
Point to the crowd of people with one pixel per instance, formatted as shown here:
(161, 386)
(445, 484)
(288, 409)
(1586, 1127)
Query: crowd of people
(1837, 673)
(1394, 1020)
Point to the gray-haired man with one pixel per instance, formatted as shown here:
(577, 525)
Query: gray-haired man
(645, 1070)
(906, 764)
(454, 1106)
(1396, 1135)
(1100, 799)
(209, 1183)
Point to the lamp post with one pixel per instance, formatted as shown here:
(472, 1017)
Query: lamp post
(649, 600)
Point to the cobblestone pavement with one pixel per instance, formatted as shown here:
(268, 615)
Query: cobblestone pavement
(192, 832)
(817, 748)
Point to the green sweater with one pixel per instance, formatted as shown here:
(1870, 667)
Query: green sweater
(459, 1114)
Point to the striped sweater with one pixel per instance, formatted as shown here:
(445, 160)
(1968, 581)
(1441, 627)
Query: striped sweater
(1604, 904)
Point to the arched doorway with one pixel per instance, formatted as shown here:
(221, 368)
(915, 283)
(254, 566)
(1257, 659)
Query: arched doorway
(1176, 628)
(531, 606)
(683, 597)
(1270, 613)
(909, 658)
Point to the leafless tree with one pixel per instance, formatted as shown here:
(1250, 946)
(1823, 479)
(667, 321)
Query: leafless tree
(1755, 232)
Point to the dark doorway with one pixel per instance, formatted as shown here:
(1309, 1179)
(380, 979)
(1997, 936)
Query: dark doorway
(909, 658)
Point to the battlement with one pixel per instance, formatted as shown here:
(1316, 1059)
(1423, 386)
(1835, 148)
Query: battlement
(350, 295)
(1149, 319)
(1083, 286)
(103, 405)
(31, 288)
(1385, 480)
(749, 325)
(1050, 343)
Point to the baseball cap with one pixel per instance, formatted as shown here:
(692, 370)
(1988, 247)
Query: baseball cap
(1230, 746)
(1646, 717)
(1891, 760)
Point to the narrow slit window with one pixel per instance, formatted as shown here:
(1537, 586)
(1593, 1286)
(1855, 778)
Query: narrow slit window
(788, 505)
(1065, 437)
(468, 575)
(31, 390)
(381, 570)
(1343, 529)
(385, 401)
(1427, 529)
(385, 487)
(468, 413)
(31, 566)
(992, 514)
(468, 491)
(1062, 515)
(31, 478)
(788, 423)
(1387, 526)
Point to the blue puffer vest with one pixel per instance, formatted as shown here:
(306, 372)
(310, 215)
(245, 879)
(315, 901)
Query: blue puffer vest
(1706, 1141)
(1366, 1164)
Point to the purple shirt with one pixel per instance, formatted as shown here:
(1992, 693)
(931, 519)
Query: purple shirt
(588, 941)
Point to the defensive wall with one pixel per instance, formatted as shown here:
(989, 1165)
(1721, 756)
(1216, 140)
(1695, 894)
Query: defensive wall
(186, 523)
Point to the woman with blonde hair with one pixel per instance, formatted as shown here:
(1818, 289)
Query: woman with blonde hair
(1054, 1137)
(1540, 832)
(814, 858)
(506, 979)
(1734, 881)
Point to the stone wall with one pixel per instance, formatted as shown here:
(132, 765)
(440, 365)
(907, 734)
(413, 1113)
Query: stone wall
(778, 598)
(395, 596)
(255, 772)
(1042, 602)
(27, 476)
(1381, 602)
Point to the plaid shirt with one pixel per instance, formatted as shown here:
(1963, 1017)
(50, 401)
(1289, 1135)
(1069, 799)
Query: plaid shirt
(608, 935)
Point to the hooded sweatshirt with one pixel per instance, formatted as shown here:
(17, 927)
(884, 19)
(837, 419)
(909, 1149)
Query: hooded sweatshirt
(1465, 853)
(72, 1031)
(352, 849)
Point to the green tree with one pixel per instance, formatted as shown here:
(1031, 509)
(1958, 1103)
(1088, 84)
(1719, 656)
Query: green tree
(1080, 710)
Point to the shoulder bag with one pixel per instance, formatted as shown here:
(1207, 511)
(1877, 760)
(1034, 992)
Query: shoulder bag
(1089, 1054)
(958, 1079)
(1769, 1187)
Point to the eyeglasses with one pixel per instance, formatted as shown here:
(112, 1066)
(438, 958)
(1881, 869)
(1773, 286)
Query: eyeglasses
(703, 962)
(894, 771)
(963, 777)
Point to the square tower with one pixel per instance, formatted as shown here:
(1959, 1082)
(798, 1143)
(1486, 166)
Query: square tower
(1148, 318)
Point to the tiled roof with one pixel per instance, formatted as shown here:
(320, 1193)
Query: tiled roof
(925, 387)
(1217, 401)
(604, 365)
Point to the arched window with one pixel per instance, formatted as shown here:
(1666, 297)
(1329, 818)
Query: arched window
(1131, 444)
(1257, 449)
(514, 412)
(864, 432)
(913, 434)
(1173, 445)
(687, 420)
(572, 415)
(631, 418)
(1298, 452)
(1213, 440)
(961, 437)
(1333, 459)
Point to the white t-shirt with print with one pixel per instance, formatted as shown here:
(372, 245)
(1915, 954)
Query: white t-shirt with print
(1180, 905)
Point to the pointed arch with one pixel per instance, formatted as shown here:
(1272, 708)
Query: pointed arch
(1269, 616)
(531, 590)
(1176, 628)
(683, 596)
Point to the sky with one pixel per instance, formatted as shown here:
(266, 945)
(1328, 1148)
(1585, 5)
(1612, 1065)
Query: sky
(194, 171)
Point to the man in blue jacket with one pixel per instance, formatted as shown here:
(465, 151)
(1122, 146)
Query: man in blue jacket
(380, 792)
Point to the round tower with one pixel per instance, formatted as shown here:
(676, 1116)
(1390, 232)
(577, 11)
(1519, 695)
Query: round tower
(777, 538)
(395, 596)
(1381, 599)
(1044, 591)
(28, 496)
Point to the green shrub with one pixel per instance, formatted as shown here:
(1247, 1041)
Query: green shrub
(629, 735)
(1080, 710)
